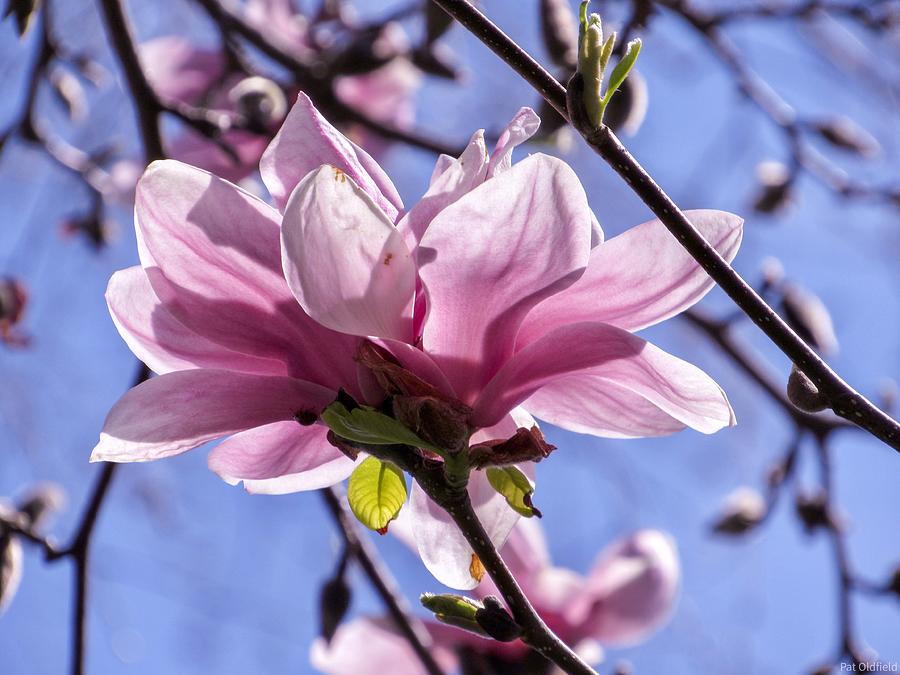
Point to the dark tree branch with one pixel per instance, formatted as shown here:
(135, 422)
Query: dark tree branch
(146, 103)
(380, 578)
(842, 399)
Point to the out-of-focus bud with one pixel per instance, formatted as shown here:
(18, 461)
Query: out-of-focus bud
(40, 502)
(260, 101)
(803, 393)
(437, 22)
(827, 669)
(775, 187)
(623, 668)
(812, 508)
(69, 92)
(437, 60)
(24, 12)
(772, 274)
(809, 317)
(844, 133)
(496, 621)
(98, 231)
(887, 394)
(628, 108)
(744, 509)
(370, 49)
(13, 301)
(334, 601)
(527, 445)
(10, 559)
(558, 31)
(893, 584)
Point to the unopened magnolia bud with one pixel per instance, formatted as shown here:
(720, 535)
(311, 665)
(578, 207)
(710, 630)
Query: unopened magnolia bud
(810, 319)
(893, 584)
(437, 60)
(559, 34)
(496, 621)
(772, 272)
(371, 49)
(69, 93)
(454, 610)
(844, 133)
(813, 511)
(775, 187)
(13, 301)
(10, 558)
(334, 601)
(803, 393)
(260, 101)
(40, 503)
(744, 509)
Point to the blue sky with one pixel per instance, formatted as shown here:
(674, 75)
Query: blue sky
(193, 576)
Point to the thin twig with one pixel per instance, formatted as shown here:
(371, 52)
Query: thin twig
(360, 548)
(842, 398)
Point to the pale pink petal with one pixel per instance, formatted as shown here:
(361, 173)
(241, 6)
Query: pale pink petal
(345, 262)
(442, 546)
(457, 178)
(614, 411)
(638, 278)
(367, 645)
(490, 257)
(597, 350)
(631, 590)
(179, 411)
(158, 339)
(212, 254)
(522, 127)
(299, 457)
(178, 70)
(442, 163)
(305, 142)
(525, 551)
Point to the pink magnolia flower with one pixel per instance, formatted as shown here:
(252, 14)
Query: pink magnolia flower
(493, 288)
(627, 595)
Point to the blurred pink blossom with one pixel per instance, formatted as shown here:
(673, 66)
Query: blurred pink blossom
(182, 72)
(494, 288)
(628, 594)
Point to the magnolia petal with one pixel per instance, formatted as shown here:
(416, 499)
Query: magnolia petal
(212, 254)
(442, 163)
(638, 278)
(613, 410)
(522, 127)
(455, 179)
(279, 458)
(367, 645)
(478, 265)
(179, 411)
(163, 343)
(345, 262)
(597, 350)
(631, 590)
(305, 142)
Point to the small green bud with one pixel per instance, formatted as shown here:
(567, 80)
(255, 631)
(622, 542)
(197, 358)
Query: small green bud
(454, 610)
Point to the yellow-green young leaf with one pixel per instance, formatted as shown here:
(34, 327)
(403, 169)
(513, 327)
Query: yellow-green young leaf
(515, 487)
(376, 492)
(367, 425)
